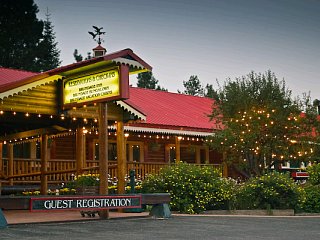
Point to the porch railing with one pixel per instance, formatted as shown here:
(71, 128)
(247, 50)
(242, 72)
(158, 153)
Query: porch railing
(27, 171)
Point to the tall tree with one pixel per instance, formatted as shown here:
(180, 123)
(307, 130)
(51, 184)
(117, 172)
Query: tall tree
(210, 92)
(48, 51)
(262, 125)
(77, 56)
(147, 80)
(20, 35)
(193, 86)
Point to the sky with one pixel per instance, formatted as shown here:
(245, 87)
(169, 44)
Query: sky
(213, 39)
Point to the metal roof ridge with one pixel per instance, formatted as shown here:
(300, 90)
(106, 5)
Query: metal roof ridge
(167, 131)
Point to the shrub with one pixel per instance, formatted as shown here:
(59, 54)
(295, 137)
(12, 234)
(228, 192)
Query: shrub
(273, 190)
(312, 203)
(193, 189)
(314, 174)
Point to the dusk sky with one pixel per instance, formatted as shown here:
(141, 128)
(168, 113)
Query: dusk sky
(213, 39)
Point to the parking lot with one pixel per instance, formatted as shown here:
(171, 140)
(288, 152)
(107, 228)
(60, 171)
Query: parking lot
(177, 227)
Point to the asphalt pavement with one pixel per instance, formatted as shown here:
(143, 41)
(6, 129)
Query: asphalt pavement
(178, 227)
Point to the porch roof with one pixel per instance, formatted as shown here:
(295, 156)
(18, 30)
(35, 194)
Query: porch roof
(16, 81)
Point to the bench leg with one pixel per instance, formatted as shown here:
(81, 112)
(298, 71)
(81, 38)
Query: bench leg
(160, 211)
(3, 221)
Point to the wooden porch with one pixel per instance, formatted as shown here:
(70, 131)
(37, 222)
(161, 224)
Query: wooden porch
(28, 171)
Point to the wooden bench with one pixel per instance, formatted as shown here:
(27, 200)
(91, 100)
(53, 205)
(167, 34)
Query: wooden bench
(158, 201)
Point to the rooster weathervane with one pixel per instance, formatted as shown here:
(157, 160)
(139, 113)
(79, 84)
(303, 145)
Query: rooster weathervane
(97, 32)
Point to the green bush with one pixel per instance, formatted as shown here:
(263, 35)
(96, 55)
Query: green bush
(273, 190)
(314, 174)
(312, 203)
(193, 189)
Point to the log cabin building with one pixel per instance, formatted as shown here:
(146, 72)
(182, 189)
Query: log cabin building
(48, 136)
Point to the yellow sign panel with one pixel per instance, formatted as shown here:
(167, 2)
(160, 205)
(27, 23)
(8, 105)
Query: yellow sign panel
(92, 87)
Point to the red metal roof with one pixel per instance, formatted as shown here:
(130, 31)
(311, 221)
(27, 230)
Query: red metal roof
(8, 75)
(172, 109)
(162, 109)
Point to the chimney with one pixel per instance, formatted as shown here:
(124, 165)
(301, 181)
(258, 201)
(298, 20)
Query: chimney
(99, 51)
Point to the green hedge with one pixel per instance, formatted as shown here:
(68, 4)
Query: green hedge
(273, 190)
(193, 189)
(312, 189)
(314, 174)
(312, 203)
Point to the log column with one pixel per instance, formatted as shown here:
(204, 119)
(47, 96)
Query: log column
(1, 160)
(198, 155)
(80, 150)
(207, 155)
(121, 158)
(44, 164)
(178, 158)
(103, 154)
(10, 163)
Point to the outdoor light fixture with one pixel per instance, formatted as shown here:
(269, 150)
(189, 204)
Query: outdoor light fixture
(126, 135)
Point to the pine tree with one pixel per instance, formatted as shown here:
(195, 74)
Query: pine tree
(210, 92)
(48, 51)
(77, 56)
(147, 80)
(20, 35)
(193, 86)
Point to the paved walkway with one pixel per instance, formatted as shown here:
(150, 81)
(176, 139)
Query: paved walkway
(191, 227)
(25, 216)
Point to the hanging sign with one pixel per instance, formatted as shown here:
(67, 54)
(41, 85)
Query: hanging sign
(95, 87)
(84, 202)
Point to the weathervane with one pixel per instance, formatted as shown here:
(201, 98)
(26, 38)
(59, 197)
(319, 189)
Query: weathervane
(96, 33)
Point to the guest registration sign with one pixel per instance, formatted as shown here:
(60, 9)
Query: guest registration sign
(84, 202)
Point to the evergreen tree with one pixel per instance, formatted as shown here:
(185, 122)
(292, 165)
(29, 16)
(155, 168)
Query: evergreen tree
(193, 86)
(147, 80)
(48, 51)
(210, 92)
(262, 126)
(77, 56)
(20, 35)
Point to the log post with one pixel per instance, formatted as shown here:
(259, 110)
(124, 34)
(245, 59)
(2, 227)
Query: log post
(121, 158)
(44, 164)
(1, 159)
(178, 158)
(10, 163)
(103, 153)
(198, 155)
(80, 150)
(207, 161)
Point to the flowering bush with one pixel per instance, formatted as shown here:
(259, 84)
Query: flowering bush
(312, 189)
(58, 191)
(274, 190)
(193, 189)
(86, 180)
(31, 193)
(314, 174)
(312, 203)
